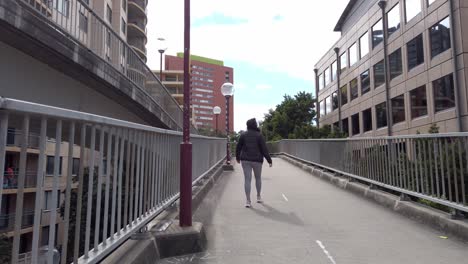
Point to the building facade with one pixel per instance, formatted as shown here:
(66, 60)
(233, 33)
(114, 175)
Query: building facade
(398, 68)
(128, 23)
(207, 76)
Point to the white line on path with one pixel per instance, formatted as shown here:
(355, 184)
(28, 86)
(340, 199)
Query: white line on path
(326, 251)
(285, 198)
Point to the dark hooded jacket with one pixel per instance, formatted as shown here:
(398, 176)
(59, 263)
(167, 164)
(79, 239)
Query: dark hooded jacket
(251, 145)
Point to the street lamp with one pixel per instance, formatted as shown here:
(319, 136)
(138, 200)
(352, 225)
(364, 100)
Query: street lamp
(162, 49)
(185, 206)
(227, 89)
(216, 112)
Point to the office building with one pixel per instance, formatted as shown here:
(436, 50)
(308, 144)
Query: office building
(398, 67)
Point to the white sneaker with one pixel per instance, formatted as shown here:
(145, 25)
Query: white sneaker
(259, 199)
(248, 204)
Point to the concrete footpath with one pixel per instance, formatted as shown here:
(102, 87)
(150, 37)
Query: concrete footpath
(307, 220)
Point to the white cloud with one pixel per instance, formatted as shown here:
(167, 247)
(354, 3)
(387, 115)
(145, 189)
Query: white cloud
(290, 45)
(244, 112)
(263, 87)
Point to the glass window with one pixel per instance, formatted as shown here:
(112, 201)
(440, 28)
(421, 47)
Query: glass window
(418, 102)
(322, 108)
(395, 64)
(364, 45)
(50, 165)
(353, 55)
(440, 37)
(367, 120)
(365, 82)
(355, 124)
(415, 51)
(334, 70)
(48, 205)
(444, 97)
(109, 14)
(412, 9)
(320, 80)
(334, 101)
(75, 166)
(327, 76)
(344, 94)
(62, 6)
(124, 27)
(398, 109)
(345, 126)
(379, 74)
(393, 18)
(354, 88)
(343, 62)
(381, 114)
(83, 22)
(429, 2)
(377, 33)
(328, 104)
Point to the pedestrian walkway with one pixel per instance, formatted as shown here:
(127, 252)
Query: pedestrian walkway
(307, 220)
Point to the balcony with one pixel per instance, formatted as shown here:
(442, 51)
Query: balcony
(7, 221)
(137, 8)
(14, 138)
(136, 29)
(138, 44)
(10, 180)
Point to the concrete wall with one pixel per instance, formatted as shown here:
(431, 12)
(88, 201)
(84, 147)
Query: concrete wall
(25, 78)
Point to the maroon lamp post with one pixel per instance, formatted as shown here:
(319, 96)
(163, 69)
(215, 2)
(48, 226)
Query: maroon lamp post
(227, 89)
(162, 48)
(185, 213)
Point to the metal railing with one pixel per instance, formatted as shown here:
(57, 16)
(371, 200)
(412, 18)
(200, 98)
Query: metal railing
(100, 207)
(7, 221)
(14, 137)
(76, 20)
(10, 180)
(433, 167)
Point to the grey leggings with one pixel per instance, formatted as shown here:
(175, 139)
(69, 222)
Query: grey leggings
(248, 166)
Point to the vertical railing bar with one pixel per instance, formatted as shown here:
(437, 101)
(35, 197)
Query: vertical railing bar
(105, 229)
(71, 145)
(160, 174)
(114, 182)
(449, 180)
(153, 170)
(119, 184)
(463, 176)
(3, 143)
(39, 191)
(55, 189)
(436, 167)
(127, 177)
(418, 166)
(142, 176)
(20, 192)
(81, 182)
(462, 171)
(425, 172)
(101, 153)
(398, 162)
(444, 194)
(132, 176)
(431, 171)
(138, 172)
(90, 191)
(455, 181)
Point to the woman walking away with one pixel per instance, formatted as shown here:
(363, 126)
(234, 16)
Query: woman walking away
(251, 149)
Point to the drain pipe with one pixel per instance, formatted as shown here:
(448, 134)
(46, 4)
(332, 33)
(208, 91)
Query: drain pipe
(338, 74)
(454, 65)
(317, 106)
(382, 5)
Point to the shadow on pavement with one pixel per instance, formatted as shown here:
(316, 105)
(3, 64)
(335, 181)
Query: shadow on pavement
(274, 214)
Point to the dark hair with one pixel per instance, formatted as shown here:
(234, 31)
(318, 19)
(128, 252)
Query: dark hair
(252, 125)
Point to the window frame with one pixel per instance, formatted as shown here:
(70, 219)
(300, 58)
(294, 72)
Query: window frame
(368, 82)
(395, 8)
(356, 89)
(444, 79)
(382, 63)
(395, 108)
(413, 105)
(440, 37)
(377, 115)
(364, 127)
(353, 133)
(418, 53)
(399, 62)
(406, 10)
(373, 34)
(361, 55)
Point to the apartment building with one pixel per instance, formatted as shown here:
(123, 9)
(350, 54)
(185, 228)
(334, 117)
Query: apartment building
(207, 77)
(128, 22)
(398, 67)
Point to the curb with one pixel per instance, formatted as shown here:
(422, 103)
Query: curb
(145, 248)
(439, 220)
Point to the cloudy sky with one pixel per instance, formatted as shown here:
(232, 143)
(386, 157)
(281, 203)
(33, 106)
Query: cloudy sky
(271, 44)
